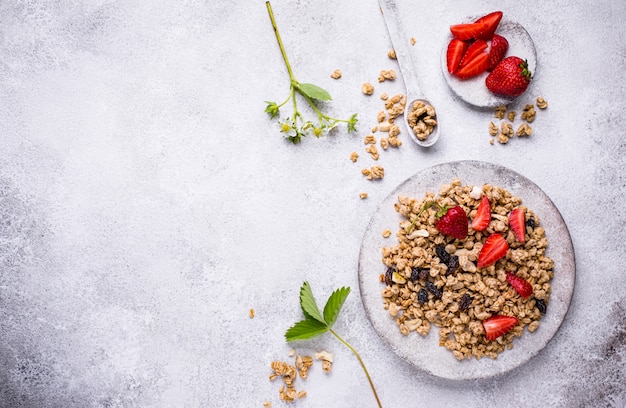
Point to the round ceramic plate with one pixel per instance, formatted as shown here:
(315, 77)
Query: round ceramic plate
(473, 90)
(425, 352)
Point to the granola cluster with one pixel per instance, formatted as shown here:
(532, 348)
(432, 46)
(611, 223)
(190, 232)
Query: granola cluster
(505, 132)
(421, 290)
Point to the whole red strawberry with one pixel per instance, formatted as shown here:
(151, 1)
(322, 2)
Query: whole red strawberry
(510, 77)
(453, 222)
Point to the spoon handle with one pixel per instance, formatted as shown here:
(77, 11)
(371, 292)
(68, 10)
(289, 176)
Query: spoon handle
(400, 43)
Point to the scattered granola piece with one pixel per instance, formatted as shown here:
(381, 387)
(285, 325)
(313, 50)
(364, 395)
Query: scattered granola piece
(500, 111)
(511, 116)
(524, 130)
(375, 129)
(541, 103)
(502, 138)
(369, 139)
(292, 352)
(327, 360)
(363, 195)
(367, 88)
(386, 233)
(413, 40)
(506, 129)
(528, 113)
(336, 74)
(491, 141)
(375, 172)
(389, 74)
(251, 313)
(373, 151)
(354, 156)
(384, 96)
(392, 54)
(267, 404)
(384, 143)
(301, 394)
(493, 129)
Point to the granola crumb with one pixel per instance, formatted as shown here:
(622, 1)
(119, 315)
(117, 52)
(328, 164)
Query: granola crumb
(392, 54)
(511, 116)
(363, 196)
(541, 103)
(384, 96)
(387, 75)
(354, 156)
(301, 394)
(336, 74)
(367, 88)
(413, 40)
(386, 233)
(292, 352)
(267, 404)
(373, 151)
(251, 313)
(369, 139)
(500, 111)
(375, 172)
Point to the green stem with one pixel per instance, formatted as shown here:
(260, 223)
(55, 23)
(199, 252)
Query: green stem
(361, 362)
(280, 42)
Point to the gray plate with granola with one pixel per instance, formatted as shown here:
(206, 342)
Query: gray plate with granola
(475, 303)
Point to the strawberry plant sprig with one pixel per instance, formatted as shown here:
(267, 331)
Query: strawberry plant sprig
(295, 127)
(316, 323)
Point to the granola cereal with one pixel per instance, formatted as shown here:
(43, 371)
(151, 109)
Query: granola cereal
(422, 291)
(336, 74)
(367, 88)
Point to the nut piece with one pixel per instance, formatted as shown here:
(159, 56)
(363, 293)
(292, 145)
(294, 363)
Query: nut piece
(336, 74)
(367, 88)
(541, 103)
(354, 156)
(506, 129)
(327, 360)
(392, 54)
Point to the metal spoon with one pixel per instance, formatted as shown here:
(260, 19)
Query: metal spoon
(399, 41)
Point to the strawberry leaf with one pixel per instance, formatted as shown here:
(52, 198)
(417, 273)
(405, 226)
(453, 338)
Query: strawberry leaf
(334, 304)
(308, 304)
(314, 92)
(305, 329)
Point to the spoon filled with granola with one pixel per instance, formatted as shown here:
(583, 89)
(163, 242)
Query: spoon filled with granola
(420, 116)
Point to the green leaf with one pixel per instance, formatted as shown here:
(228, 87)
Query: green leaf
(308, 304)
(334, 304)
(272, 109)
(305, 329)
(352, 123)
(314, 92)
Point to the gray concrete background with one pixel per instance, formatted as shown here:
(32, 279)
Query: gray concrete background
(147, 202)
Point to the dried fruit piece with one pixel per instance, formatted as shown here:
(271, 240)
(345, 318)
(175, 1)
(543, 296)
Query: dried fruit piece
(422, 296)
(520, 285)
(497, 325)
(443, 255)
(419, 273)
(432, 288)
(495, 248)
(466, 301)
(453, 265)
(541, 305)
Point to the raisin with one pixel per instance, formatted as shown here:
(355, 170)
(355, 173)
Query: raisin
(388, 276)
(437, 293)
(422, 296)
(443, 255)
(466, 301)
(453, 264)
(531, 223)
(541, 305)
(419, 273)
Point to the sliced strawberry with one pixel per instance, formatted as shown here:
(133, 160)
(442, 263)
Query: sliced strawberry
(468, 31)
(497, 325)
(475, 67)
(521, 285)
(499, 47)
(456, 50)
(483, 215)
(472, 52)
(517, 222)
(453, 222)
(495, 248)
(492, 20)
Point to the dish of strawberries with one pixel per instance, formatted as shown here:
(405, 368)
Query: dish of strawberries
(488, 60)
(478, 276)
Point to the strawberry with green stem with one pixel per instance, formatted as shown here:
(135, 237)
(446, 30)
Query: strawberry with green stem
(451, 221)
(510, 77)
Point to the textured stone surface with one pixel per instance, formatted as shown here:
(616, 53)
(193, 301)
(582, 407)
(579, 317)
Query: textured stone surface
(147, 202)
